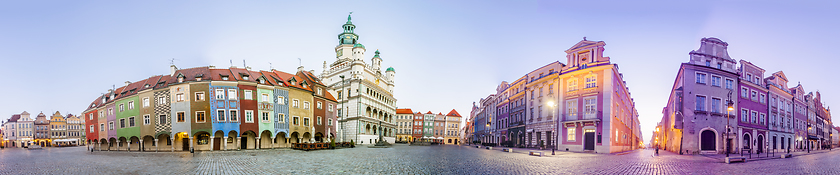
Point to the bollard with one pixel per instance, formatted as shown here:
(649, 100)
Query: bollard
(552, 151)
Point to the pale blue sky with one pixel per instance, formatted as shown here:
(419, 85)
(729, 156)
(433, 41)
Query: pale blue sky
(60, 55)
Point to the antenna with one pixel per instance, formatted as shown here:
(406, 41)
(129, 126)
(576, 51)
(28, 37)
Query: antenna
(231, 63)
(243, 63)
(299, 62)
(172, 61)
(269, 66)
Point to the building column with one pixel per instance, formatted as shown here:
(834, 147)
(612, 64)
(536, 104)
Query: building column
(118, 145)
(272, 142)
(157, 145)
(128, 146)
(224, 141)
(257, 145)
(212, 137)
(238, 143)
(191, 143)
(141, 146)
(100, 146)
(172, 146)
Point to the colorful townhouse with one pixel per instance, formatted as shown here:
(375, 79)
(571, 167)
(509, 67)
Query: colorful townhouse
(516, 120)
(281, 108)
(780, 111)
(751, 111)
(439, 128)
(42, 130)
(452, 126)
(404, 122)
(800, 118)
(58, 130)
(543, 100)
(417, 127)
(503, 118)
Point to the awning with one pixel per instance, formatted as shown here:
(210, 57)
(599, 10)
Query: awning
(441, 138)
(65, 140)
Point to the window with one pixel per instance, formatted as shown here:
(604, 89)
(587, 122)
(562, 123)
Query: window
(701, 78)
(306, 105)
(319, 105)
(90, 116)
(162, 119)
(200, 117)
(330, 122)
(321, 92)
(249, 116)
(122, 123)
(110, 125)
(199, 96)
(130, 105)
(744, 115)
(716, 81)
(111, 111)
(729, 84)
(700, 103)
(330, 108)
(233, 116)
(220, 93)
(122, 107)
(295, 120)
(203, 139)
(716, 105)
(247, 95)
(572, 85)
(180, 116)
(161, 100)
(762, 98)
(754, 96)
(720, 65)
(762, 118)
(101, 127)
(708, 64)
(745, 93)
(281, 100)
(265, 117)
(319, 120)
(131, 121)
(295, 103)
(146, 102)
(281, 118)
(221, 116)
(91, 129)
(179, 97)
(264, 98)
(590, 81)
(570, 134)
(147, 120)
(571, 109)
(224, 77)
(753, 117)
(589, 106)
(232, 94)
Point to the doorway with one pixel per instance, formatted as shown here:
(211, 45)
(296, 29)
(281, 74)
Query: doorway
(760, 148)
(185, 144)
(589, 139)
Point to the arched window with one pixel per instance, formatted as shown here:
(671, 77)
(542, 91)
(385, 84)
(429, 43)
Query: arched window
(203, 139)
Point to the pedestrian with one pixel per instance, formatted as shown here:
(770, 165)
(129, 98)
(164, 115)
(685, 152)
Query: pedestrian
(657, 151)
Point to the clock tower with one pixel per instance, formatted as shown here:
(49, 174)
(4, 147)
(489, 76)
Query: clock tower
(346, 40)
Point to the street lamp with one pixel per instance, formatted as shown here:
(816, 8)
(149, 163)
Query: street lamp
(557, 125)
(729, 108)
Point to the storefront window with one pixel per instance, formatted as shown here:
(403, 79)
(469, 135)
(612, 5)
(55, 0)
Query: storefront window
(203, 139)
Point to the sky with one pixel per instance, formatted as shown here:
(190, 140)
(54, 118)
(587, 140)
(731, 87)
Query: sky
(61, 55)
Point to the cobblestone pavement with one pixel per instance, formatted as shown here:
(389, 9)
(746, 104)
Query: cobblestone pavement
(400, 159)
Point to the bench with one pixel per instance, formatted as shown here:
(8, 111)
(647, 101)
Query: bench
(735, 159)
(786, 156)
(487, 147)
(535, 153)
(507, 150)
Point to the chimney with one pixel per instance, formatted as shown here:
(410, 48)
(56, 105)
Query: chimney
(248, 67)
(172, 70)
(127, 82)
(212, 67)
(300, 69)
(312, 71)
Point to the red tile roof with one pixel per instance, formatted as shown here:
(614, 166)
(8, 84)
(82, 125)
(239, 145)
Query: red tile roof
(288, 77)
(453, 113)
(14, 118)
(404, 111)
(430, 112)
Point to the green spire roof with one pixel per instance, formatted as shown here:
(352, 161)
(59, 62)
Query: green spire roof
(390, 69)
(359, 45)
(348, 18)
(376, 54)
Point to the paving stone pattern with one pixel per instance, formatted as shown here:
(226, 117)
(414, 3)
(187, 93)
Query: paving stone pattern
(400, 159)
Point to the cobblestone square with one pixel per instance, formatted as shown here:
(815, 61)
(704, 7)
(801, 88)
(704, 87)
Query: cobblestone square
(400, 159)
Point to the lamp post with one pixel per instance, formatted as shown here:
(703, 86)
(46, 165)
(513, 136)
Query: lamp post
(342, 109)
(809, 142)
(551, 105)
(729, 109)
